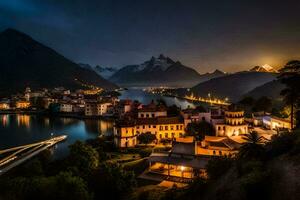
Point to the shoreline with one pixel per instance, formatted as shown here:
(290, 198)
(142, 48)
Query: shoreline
(64, 115)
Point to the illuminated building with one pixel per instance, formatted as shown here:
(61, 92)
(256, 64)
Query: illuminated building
(192, 115)
(124, 106)
(152, 111)
(22, 104)
(92, 91)
(125, 134)
(181, 164)
(217, 146)
(188, 158)
(233, 124)
(276, 123)
(47, 101)
(4, 106)
(168, 128)
(65, 107)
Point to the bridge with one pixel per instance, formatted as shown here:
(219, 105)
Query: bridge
(12, 157)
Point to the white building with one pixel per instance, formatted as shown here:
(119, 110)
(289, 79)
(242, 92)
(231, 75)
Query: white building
(65, 107)
(275, 123)
(234, 124)
(95, 108)
(152, 111)
(191, 115)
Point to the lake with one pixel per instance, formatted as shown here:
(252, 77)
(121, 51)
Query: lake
(22, 129)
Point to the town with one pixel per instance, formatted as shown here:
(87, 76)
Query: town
(149, 100)
(221, 128)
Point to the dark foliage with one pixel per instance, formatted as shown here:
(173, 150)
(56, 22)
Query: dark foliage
(146, 138)
(199, 129)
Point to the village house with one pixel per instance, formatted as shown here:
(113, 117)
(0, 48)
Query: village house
(125, 134)
(4, 105)
(276, 123)
(217, 146)
(152, 111)
(167, 128)
(192, 115)
(66, 107)
(233, 124)
(96, 108)
(47, 101)
(22, 104)
(181, 164)
(188, 158)
(124, 106)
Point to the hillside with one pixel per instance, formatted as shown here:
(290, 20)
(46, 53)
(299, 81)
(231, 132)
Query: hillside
(26, 62)
(207, 76)
(156, 72)
(270, 89)
(233, 86)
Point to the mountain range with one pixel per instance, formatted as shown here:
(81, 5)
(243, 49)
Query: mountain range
(160, 71)
(25, 62)
(263, 68)
(270, 89)
(233, 86)
(105, 72)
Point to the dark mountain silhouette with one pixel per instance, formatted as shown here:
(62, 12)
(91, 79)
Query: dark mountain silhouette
(26, 62)
(207, 76)
(233, 86)
(270, 89)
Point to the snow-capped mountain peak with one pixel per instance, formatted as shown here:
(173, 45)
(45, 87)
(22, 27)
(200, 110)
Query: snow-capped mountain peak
(264, 68)
(160, 63)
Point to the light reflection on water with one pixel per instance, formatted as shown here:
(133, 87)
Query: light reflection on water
(24, 129)
(146, 98)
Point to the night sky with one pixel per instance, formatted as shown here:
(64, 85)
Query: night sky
(205, 35)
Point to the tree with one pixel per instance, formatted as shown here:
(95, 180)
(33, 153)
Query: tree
(83, 157)
(199, 129)
(263, 104)
(146, 138)
(111, 180)
(290, 76)
(173, 110)
(160, 102)
(218, 166)
(247, 101)
(200, 109)
(280, 144)
(68, 186)
(62, 186)
(253, 146)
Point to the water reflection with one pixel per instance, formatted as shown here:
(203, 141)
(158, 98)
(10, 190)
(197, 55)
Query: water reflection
(4, 120)
(23, 120)
(24, 129)
(146, 98)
